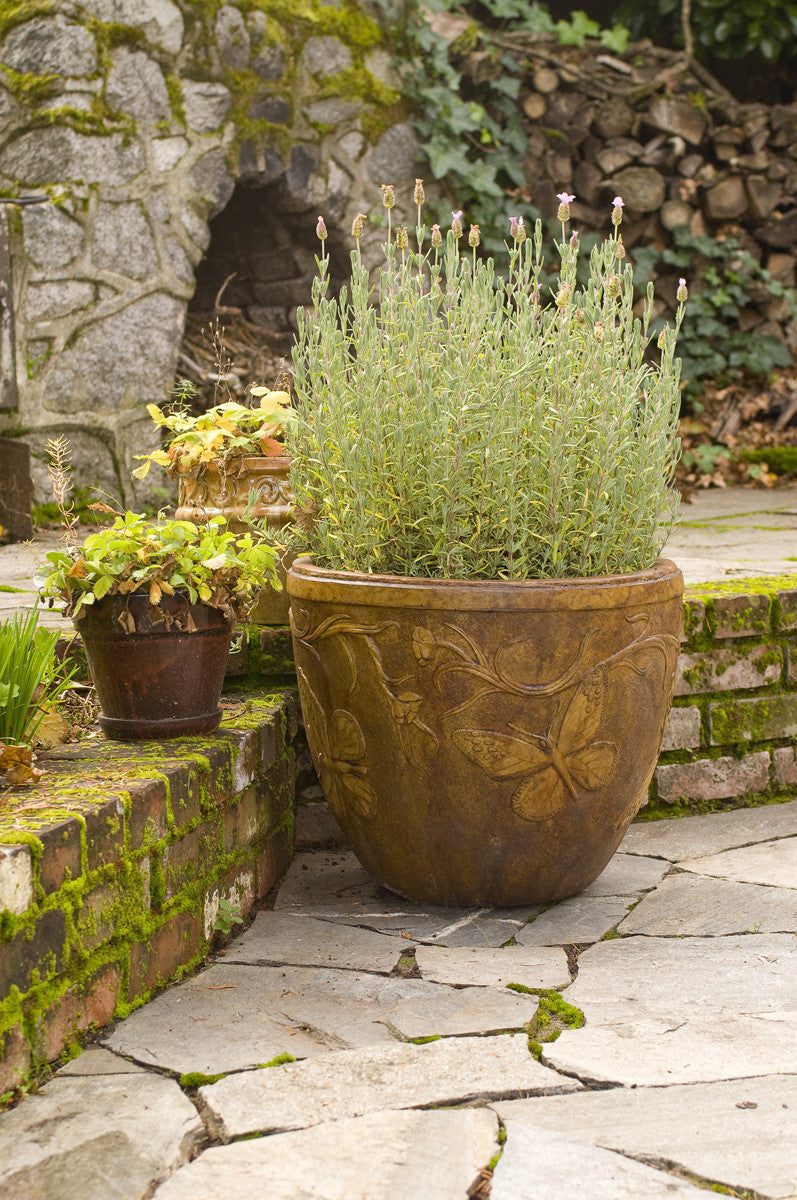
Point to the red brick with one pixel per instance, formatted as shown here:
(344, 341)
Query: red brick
(190, 857)
(15, 1059)
(42, 952)
(238, 659)
(148, 818)
(784, 762)
(16, 879)
(185, 792)
(276, 653)
(694, 617)
(787, 618)
(242, 818)
(237, 886)
(60, 859)
(712, 778)
(88, 1004)
(682, 731)
(173, 945)
(723, 669)
(105, 834)
(741, 616)
(274, 860)
(99, 918)
(755, 719)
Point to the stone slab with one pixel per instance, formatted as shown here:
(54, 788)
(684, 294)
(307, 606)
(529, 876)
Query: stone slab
(96, 1061)
(332, 886)
(278, 937)
(740, 1133)
(482, 966)
(627, 875)
(350, 1083)
(538, 1164)
(100, 1137)
(688, 905)
(576, 921)
(682, 1010)
(695, 837)
(384, 1156)
(232, 1017)
(772, 863)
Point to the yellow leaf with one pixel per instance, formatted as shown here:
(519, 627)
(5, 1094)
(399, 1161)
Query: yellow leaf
(272, 401)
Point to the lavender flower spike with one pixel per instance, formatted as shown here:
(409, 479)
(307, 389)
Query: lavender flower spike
(565, 200)
(456, 223)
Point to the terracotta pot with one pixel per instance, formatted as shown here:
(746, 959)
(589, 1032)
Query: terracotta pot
(213, 492)
(160, 680)
(485, 743)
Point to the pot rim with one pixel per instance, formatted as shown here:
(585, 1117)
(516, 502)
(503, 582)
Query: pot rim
(659, 583)
(249, 462)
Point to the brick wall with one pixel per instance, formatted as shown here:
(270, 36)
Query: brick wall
(112, 870)
(732, 730)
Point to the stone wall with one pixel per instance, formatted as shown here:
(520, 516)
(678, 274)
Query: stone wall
(140, 117)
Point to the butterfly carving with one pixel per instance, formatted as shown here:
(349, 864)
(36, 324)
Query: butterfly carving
(338, 751)
(551, 766)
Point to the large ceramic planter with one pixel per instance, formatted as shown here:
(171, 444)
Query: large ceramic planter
(164, 677)
(485, 743)
(214, 492)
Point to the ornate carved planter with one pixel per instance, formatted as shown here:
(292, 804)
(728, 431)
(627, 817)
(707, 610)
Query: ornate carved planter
(485, 742)
(216, 492)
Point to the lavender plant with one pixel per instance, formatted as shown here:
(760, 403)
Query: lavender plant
(460, 425)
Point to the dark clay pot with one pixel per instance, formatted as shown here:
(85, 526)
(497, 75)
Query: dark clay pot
(211, 492)
(159, 681)
(485, 743)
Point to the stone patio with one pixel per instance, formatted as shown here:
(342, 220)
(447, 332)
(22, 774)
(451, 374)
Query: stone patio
(352, 1043)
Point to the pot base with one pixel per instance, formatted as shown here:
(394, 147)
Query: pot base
(120, 730)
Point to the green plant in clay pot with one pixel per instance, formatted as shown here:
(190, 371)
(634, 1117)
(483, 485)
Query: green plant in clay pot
(155, 603)
(484, 630)
(230, 461)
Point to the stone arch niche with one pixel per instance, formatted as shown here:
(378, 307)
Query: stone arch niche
(259, 267)
(173, 134)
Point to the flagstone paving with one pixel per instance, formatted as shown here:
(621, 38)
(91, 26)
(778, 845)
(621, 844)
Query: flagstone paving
(353, 1044)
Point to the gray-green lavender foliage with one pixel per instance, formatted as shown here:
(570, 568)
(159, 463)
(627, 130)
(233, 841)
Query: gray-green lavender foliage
(458, 426)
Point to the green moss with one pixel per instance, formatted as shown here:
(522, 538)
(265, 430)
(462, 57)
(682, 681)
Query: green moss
(659, 810)
(280, 1061)
(16, 12)
(781, 460)
(422, 1041)
(554, 1014)
(174, 89)
(195, 1079)
(763, 585)
(28, 88)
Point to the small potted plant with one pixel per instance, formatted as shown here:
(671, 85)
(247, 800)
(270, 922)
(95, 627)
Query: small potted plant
(230, 461)
(155, 603)
(485, 634)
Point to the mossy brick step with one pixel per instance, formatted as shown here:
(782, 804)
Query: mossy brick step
(731, 735)
(113, 868)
